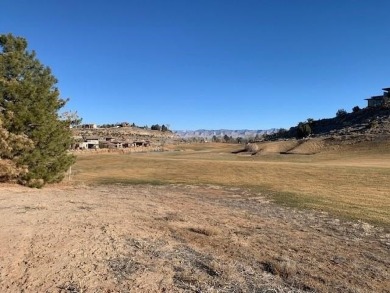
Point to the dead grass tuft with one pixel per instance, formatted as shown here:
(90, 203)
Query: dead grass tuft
(71, 287)
(124, 267)
(285, 268)
(172, 217)
(195, 271)
(203, 231)
(35, 208)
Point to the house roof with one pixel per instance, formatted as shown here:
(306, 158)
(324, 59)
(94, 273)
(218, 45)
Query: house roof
(386, 89)
(92, 138)
(375, 98)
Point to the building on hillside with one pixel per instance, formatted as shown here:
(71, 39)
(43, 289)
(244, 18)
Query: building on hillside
(142, 143)
(91, 142)
(117, 144)
(111, 144)
(127, 144)
(86, 126)
(379, 101)
(86, 143)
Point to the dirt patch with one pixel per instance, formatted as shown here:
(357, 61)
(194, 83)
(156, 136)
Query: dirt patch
(180, 239)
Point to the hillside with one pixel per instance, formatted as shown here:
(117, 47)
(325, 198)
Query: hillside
(359, 130)
(124, 134)
(208, 134)
(365, 124)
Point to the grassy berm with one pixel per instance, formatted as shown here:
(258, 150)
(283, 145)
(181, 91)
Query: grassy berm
(198, 218)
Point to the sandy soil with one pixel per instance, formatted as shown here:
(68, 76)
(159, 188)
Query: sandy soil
(180, 239)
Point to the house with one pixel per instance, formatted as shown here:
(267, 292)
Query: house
(117, 144)
(86, 143)
(86, 126)
(111, 144)
(142, 143)
(89, 126)
(91, 142)
(379, 101)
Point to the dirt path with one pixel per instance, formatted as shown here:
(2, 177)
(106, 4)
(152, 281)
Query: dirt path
(180, 239)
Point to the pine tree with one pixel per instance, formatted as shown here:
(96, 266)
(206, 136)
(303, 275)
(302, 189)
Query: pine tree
(11, 146)
(29, 105)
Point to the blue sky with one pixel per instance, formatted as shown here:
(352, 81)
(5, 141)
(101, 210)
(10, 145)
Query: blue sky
(208, 64)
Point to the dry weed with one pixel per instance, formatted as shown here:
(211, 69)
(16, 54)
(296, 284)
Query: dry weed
(284, 267)
(72, 287)
(203, 231)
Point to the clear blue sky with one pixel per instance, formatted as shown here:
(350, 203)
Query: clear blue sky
(206, 63)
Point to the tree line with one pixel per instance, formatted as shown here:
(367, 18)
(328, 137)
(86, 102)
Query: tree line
(158, 127)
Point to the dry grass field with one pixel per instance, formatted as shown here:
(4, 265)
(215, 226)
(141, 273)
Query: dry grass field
(198, 218)
(350, 181)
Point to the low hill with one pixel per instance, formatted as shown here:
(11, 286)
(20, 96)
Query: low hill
(124, 133)
(208, 134)
(365, 124)
(366, 128)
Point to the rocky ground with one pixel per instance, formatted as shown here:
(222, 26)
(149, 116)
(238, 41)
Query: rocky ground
(180, 239)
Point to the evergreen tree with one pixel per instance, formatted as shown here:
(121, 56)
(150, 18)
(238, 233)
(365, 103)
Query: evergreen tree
(156, 127)
(303, 130)
(29, 105)
(11, 146)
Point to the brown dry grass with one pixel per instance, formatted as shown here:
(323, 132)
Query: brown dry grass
(180, 238)
(208, 234)
(348, 181)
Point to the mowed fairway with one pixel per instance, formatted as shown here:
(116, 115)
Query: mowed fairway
(352, 182)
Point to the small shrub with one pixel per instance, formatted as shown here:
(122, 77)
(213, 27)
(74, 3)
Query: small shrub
(341, 113)
(310, 121)
(156, 127)
(356, 109)
(304, 130)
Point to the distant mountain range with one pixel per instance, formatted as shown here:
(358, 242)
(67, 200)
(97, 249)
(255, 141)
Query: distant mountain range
(203, 133)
